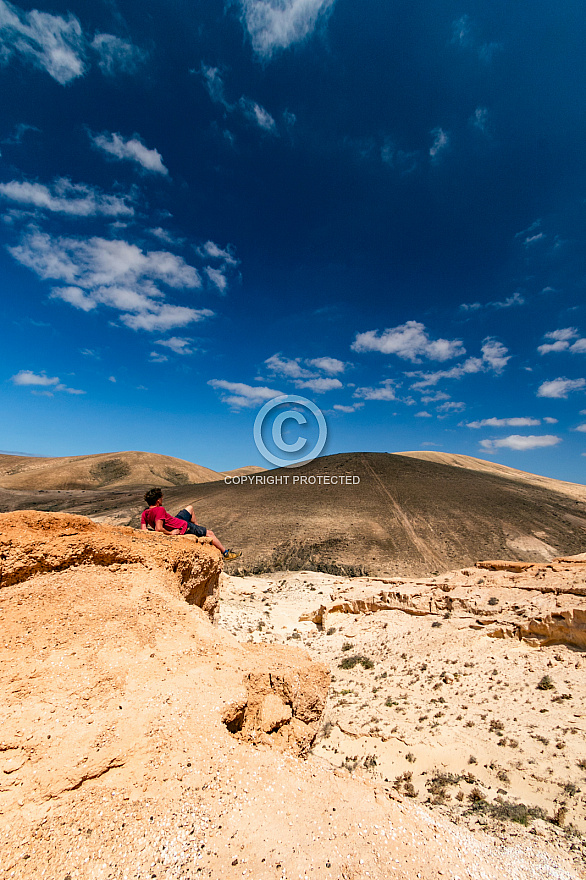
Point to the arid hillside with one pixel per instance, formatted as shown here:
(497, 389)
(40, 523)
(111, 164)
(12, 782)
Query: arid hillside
(108, 470)
(404, 516)
(140, 740)
(573, 490)
(357, 513)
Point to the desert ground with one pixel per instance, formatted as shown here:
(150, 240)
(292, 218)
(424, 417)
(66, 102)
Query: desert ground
(465, 692)
(145, 734)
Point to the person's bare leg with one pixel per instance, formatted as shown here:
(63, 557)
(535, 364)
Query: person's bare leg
(215, 541)
(189, 509)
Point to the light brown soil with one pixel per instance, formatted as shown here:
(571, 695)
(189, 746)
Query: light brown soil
(116, 761)
(449, 693)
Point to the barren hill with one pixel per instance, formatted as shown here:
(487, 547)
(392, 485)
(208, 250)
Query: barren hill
(139, 740)
(107, 470)
(574, 490)
(405, 516)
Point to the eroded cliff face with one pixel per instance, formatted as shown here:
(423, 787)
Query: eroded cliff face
(33, 543)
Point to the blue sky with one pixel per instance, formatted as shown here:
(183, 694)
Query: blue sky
(379, 206)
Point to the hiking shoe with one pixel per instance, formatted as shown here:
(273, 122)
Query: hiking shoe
(229, 555)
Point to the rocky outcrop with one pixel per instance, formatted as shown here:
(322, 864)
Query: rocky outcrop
(33, 543)
(539, 603)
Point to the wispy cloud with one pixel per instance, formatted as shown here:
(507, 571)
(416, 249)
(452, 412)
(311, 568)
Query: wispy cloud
(386, 390)
(560, 388)
(520, 442)
(451, 406)
(29, 379)
(516, 299)
(319, 385)
(347, 409)
(402, 161)
(177, 344)
(257, 114)
(58, 45)
(494, 358)
(310, 369)
(116, 55)
(409, 341)
(328, 365)
(465, 35)
(130, 149)
(480, 119)
(277, 24)
(249, 109)
(563, 340)
(65, 197)
(114, 273)
(441, 142)
(521, 422)
(240, 395)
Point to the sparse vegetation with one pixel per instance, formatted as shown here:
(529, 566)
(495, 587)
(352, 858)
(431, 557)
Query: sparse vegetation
(355, 660)
(545, 684)
(493, 600)
(347, 646)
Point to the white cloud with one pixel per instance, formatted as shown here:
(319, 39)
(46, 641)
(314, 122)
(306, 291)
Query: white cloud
(258, 115)
(251, 110)
(113, 273)
(348, 409)
(319, 385)
(176, 344)
(27, 377)
(40, 380)
(112, 379)
(441, 141)
(494, 358)
(549, 421)
(423, 415)
(562, 341)
(581, 428)
(116, 55)
(242, 395)
(132, 149)
(518, 442)
(532, 235)
(385, 391)
(328, 365)
(49, 42)
(277, 24)
(516, 299)
(451, 406)
(214, 252)
(157, 358)
(65, 197)
(560, 387)
(57, 44)
(521, 422)
(291, 368)
(217, 277)
(409, 341)
(296, 368)
(494, 354)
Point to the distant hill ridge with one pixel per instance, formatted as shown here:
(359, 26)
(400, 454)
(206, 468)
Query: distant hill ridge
(107, 470)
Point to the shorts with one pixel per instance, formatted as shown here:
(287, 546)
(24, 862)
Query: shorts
(192, 529)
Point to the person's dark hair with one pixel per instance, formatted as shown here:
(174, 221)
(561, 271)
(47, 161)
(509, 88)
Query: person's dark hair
(152, 496)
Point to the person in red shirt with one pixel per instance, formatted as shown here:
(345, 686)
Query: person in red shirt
(156, 517)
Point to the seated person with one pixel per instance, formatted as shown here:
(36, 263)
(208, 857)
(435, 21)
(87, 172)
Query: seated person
(156, 517)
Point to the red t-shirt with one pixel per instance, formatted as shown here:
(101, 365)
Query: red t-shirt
(152, 514)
